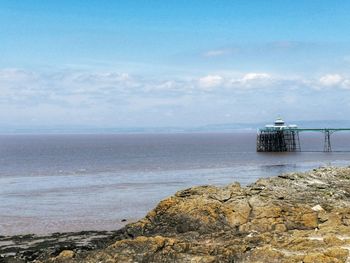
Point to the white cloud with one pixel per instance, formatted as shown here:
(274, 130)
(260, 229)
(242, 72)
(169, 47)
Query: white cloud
(113, 89)
(252, 80)
(346, 84)
(16, 75)
(330, 80)
(255, 76)
(210, 81)
(117, 96)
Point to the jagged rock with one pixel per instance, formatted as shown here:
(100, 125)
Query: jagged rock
(64, 255)
(298, 217)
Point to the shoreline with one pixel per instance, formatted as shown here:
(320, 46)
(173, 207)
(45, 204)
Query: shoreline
(26, 248)
(67, 212)
(263, 220)
(113, 178)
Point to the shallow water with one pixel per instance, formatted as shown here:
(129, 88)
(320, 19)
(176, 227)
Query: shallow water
(52, 183)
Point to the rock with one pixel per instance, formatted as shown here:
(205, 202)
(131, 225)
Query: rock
(28, 248)
(65, 254)
(332, 240)
(289, 218)
(280, 228)
(317, 208)
(340, 254)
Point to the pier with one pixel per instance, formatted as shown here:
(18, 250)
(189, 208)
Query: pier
(285, 138)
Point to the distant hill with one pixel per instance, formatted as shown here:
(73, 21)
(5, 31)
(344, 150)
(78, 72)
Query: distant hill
(223, 127)
(323, 124)
(254, 126)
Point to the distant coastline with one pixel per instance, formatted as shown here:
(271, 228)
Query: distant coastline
(222, 127)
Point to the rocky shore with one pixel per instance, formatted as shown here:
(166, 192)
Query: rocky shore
(297, 217)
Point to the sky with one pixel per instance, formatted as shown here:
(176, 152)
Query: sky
(155, 63)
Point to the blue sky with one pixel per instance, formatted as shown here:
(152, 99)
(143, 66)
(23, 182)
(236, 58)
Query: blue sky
(172, 63)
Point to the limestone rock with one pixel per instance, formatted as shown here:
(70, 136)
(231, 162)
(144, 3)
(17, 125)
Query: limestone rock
(298, 217)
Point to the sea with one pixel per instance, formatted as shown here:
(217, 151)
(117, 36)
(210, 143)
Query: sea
(64, 182)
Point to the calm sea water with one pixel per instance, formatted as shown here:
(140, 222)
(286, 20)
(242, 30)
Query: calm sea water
(51, 183)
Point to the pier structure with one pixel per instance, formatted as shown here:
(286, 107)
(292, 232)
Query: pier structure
(285, 138)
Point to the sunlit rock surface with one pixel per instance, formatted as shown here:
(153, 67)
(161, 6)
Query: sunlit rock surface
(298, 217)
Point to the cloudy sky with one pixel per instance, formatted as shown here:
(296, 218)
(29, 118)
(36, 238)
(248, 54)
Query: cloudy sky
(172, 63)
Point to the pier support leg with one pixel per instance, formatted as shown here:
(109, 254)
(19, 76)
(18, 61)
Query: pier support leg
(327, 141)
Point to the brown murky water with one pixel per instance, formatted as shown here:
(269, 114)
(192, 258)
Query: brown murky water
(51, 183)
